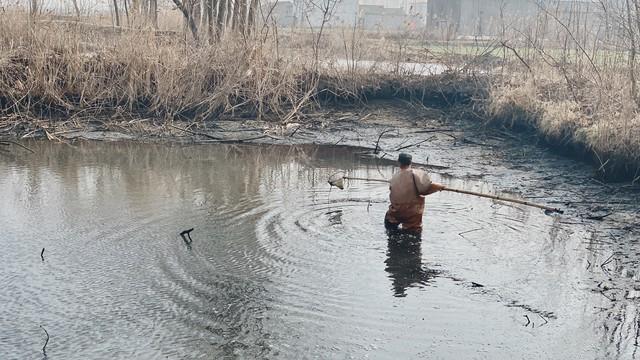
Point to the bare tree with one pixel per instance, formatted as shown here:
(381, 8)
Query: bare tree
(153, 13)
(222, 15)
(326, 9)
(188, 16)
(253, 10)
(34, 8)
(116, 13)
(75, 7)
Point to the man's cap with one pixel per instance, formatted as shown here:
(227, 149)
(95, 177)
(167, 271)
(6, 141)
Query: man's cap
(404, 159)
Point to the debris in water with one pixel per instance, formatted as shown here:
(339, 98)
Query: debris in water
(42, 254)
(186, 234)
(633, 294)
(44, 348)
(598, 217)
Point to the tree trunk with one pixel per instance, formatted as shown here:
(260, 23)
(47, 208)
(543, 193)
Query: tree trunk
(126, 12)
(237, 14)
(211, 6)
(253, 11)
(242, 16)
(76, 8)
(632, 56)
(34, 8)
(230, 5)
(189, 18)
(116, 12)
(153, 13)
(222, 15)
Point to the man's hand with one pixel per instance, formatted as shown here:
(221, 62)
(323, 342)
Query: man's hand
(434, 188)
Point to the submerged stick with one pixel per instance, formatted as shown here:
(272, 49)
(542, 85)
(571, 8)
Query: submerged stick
(494, 197)
(44, 348)
(7, 142)
(187, 234)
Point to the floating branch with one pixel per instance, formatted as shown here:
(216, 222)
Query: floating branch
(44, 347)
(186, 236)
(8, 142)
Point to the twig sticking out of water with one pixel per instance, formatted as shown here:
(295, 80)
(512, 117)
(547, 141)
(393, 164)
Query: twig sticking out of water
(42, 254)
(186, 236)
(607, 261)
(469, 231)
(44, 347)
(528, 321)
(416, 144)
(377, 149)
(545, 320)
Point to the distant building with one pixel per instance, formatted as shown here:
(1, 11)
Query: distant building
(486, 18)
(377, 17)
(343, 13)
(418, 13)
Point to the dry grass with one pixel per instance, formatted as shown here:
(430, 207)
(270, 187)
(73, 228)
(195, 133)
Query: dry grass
(55, 69)
(598, 120)
(61, 70)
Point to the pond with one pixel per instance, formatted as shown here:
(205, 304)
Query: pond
(280, 265)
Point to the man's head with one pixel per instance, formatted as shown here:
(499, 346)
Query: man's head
(404, 159)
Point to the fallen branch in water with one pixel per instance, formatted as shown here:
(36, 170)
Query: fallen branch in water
(599, 217)
(44, 348)
(416, 144)
(545, 320)
(377, 148)
(187, 234)
(9, 142)
(469, 231)
(607, 261)
(226, 141)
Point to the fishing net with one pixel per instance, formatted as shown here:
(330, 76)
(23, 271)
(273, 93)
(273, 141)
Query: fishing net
(337, 180)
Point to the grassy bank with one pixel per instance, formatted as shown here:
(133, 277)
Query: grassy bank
(79, 71)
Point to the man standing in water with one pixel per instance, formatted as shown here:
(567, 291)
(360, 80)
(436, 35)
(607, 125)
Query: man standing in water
(407, 190)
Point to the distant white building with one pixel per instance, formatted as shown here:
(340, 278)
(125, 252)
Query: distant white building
(335, 13)
(377, 17)
(418, 13)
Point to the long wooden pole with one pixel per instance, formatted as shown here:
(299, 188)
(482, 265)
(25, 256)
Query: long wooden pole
(494, 197)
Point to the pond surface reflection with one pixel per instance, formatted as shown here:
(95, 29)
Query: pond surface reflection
(281, 265)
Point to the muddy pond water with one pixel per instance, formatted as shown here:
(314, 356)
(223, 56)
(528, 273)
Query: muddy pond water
(281, 265)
